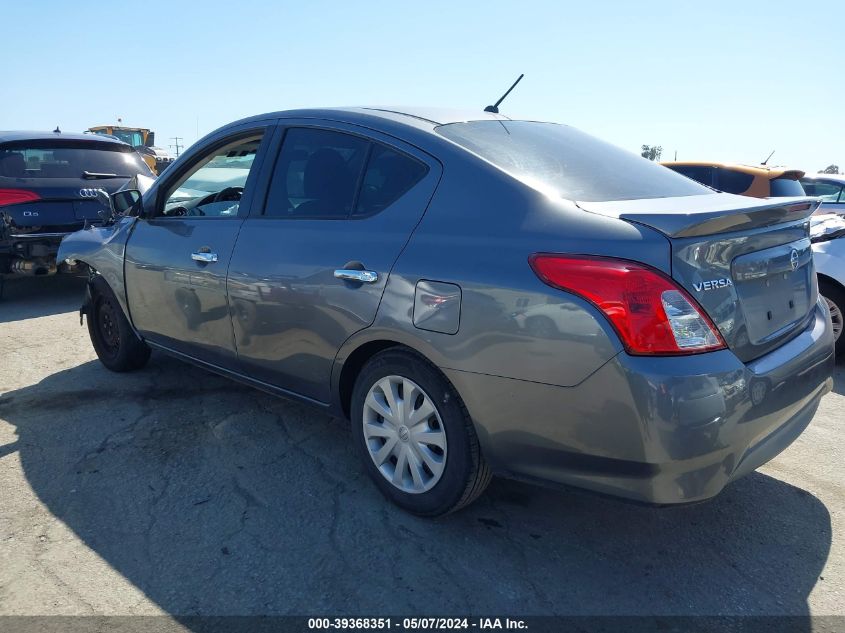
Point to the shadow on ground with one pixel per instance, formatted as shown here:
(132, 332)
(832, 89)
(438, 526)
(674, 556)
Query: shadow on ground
(217, 499)
(839, 377)
(32, 297)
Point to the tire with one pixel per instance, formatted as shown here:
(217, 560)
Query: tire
(460, 474)
(117, 346)
(834, 294)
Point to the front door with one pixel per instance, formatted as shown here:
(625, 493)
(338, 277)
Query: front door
(177, 256)
(310, 270)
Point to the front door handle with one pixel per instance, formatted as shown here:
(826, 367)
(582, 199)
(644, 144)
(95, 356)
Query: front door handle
(362, 276)
(204, 256)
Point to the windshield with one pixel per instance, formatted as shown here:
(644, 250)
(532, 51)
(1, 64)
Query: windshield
(133, 138)
(69, 159)
(572, 164)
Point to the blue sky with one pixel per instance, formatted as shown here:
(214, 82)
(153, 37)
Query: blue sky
(716, 80)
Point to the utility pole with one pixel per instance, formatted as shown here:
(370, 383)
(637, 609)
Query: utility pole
(175, 145)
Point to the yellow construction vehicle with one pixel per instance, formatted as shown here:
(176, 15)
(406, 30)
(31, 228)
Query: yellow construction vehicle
(142, 139)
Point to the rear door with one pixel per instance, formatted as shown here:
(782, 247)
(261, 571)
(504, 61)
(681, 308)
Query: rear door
(177, 256)
(310, 267)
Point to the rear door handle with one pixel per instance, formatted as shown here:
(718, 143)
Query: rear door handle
(362, 276)
(204, 256)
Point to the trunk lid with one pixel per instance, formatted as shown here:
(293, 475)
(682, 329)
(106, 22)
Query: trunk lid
(64, 204)
(747, 262)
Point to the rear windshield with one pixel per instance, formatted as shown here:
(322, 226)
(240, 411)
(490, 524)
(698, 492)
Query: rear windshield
(783, 187)
(69, 159)
(571, 163)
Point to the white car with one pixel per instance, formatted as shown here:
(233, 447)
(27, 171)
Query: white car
(828, 236)
(830, 188)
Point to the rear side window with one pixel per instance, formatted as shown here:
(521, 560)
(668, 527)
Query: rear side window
(699, 173)
(784, 187)
(388, 176)
(569, 163)
(327, 174)
(69, 159)
(316, 174)
(731, 181)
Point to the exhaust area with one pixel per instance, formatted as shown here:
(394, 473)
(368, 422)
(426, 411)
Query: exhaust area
(33, 267)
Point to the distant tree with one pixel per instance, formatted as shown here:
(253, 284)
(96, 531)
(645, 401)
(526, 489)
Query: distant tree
(830, 169)
(652, 152)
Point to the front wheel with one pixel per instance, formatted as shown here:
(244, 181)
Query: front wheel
(417, 440)
(835, 297)
(117, 346)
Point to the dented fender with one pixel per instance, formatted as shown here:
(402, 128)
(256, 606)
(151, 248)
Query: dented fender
(102, 248)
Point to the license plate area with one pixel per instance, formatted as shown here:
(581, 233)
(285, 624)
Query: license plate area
(87, 210)
(776, 288)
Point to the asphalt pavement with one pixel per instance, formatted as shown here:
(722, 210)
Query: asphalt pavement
(171, 490)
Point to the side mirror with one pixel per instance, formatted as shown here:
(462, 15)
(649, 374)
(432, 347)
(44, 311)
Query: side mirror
(105, 199)
(123, 201)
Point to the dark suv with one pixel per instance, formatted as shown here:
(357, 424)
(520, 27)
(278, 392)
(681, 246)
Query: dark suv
(48, 189)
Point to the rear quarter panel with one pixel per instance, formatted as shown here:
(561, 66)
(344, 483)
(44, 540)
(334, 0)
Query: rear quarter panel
(478, 233)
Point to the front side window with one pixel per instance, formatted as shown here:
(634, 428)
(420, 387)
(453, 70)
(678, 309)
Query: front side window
(568, 163)
(214, 185)
(326, 174)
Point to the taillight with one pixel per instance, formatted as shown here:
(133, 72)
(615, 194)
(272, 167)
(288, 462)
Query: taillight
(16, 196)
(649, 311)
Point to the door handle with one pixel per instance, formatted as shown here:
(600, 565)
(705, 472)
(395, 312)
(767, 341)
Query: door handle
(362, 276)
(204, 256)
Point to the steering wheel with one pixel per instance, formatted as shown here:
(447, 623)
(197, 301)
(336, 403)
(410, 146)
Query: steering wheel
(229, 193)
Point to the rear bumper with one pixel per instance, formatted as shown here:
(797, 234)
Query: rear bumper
(658, 430)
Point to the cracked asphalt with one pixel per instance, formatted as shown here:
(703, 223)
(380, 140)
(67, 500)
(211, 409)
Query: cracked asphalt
(173, 491)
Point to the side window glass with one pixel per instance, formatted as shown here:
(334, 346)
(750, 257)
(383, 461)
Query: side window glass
(214, 186)
(704, 175)
(317, 174)
(826, 191)
(731, 181)
(389, 175)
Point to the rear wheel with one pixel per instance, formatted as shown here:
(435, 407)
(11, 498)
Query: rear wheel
(834, 295)
(117, 346)
(416, 438)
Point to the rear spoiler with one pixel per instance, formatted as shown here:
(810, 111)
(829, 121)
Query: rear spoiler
(792, 174)
(695, 216)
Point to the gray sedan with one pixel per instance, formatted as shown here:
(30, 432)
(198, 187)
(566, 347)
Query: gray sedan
(477, 295)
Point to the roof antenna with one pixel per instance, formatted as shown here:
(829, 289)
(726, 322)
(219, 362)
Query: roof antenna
(767, 158)
(57, 130)
(495, 107)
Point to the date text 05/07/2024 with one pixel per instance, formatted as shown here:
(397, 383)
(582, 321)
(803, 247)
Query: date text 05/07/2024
(417, 624)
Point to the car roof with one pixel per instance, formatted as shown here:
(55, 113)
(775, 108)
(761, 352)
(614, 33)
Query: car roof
(420, 118)
(767, 171)
(838, 178)
(27, 135)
